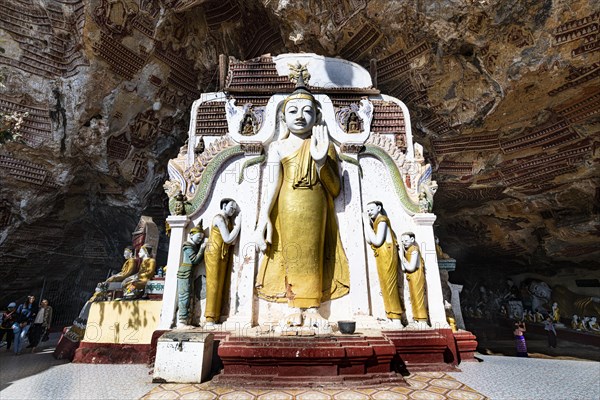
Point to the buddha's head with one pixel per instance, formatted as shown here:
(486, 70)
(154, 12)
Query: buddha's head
(128, 252)
(300, 110)
(145, 251)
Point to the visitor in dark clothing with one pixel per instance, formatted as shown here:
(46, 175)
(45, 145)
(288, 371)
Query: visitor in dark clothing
(25, 315)
(7, 319)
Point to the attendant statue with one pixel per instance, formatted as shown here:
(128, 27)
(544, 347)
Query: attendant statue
(584, 323)
(414, 267)
(538, 316)
(193, 254)
(555, 313)
(529, 317)
(381, 237)
(135, 284)
(224, 230)
(593, 324)
(304, 263)
(575, 322)
(128, 267)
(438, 250)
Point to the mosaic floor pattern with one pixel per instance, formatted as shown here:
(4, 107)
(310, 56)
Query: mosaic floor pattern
(423, 385)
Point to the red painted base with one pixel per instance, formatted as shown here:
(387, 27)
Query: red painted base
(315, 361)
(425, 350)
(65, 348)
(109, 353)
(466, 344)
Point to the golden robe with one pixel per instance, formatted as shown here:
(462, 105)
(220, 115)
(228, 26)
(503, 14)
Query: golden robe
(386, 257)
(416, 284)
(146, 272)
(216, 260)
(305, 264)
(127, 270)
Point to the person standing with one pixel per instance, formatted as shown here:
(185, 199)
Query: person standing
(25, 315)
(550, 331)
(520, 344)
(7, 319)
(41, 324)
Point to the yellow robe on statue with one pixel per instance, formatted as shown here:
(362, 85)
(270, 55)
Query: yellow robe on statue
(416, 285)
(305, 264)
(146, 272)
(216, 260)
(386, 257)
(127, 270)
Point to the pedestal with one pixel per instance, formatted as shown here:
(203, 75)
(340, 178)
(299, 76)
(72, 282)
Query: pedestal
(424, 350)
(183, 357)
(119, 332)
(317, 361)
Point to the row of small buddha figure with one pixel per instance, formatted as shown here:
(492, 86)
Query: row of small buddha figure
(537, 316)
(133, 279)
(586, 324)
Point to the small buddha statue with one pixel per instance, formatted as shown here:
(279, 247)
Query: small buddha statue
(529, 317)
(133, 287)
(247, 126)
(593, 324)
(584, 324)
(575, 322)
(353, 124)
(555, 313)
(538, 317)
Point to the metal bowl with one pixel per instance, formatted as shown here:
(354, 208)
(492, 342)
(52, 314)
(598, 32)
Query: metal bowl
(347, 327)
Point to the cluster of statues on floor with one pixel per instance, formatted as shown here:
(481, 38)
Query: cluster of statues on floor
(510, 300)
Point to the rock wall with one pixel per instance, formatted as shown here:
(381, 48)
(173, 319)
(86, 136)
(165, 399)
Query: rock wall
(504, 94)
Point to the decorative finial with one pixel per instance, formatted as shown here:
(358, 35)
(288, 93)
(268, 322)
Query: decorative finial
(298, 70)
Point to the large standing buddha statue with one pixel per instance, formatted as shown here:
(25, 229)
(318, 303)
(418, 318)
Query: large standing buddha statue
(304, 263)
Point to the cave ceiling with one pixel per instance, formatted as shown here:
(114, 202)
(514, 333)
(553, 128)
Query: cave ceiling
(504, 95)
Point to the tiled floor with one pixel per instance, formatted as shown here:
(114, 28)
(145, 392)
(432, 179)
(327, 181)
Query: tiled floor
(532, 378)
(422, 385)
(40, 376)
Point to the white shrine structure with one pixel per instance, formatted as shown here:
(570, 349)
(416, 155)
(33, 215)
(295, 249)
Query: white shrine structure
(228, 140)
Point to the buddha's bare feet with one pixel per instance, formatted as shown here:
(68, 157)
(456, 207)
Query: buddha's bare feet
(312, 319)
(293, 318)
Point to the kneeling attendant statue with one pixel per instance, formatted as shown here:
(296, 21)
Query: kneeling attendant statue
(414, 267)
(217, 255)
